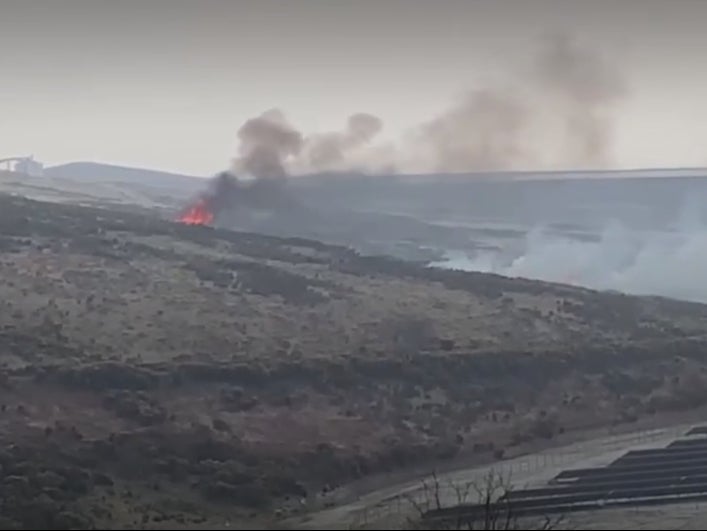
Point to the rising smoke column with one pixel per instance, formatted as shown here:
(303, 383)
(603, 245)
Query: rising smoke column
(266, 143)
(482, 131)
(584, 87)
(271, 148)
(558, 115)
(489, 128)
(330, 151)
(220, 194)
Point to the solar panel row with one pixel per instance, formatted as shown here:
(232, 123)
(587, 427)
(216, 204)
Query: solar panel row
(676, 473)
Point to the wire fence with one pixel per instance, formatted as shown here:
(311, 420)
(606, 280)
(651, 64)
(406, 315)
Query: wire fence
(390, 512)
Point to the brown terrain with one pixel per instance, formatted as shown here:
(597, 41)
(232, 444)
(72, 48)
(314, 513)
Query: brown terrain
(158, 375)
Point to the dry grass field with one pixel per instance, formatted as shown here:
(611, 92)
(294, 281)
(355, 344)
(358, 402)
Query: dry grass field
(160, 375)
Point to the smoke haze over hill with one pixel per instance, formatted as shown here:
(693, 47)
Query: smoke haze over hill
(557, 114)
(669, 263)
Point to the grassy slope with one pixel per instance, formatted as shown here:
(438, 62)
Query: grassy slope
(156, 373)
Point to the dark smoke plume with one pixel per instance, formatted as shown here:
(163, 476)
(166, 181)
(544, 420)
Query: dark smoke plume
(266, 143)
(559, 115)
(329, 151)
(483, 131)
(511, 128)
(587, 86)
(227, 193)
(556, 115)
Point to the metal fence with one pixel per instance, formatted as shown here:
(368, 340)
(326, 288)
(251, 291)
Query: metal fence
(391, 512)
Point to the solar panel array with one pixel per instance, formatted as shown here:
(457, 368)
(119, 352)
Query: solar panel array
(673, 474)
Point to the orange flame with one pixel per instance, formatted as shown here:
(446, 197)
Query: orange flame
(199, 214)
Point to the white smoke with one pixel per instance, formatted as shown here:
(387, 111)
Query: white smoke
(669, 263)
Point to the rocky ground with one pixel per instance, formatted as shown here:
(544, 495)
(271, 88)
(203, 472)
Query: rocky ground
(159, 375)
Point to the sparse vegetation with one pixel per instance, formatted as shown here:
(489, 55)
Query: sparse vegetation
(485, 501)
(250, 372)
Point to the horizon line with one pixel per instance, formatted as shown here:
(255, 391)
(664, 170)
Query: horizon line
(472, 173)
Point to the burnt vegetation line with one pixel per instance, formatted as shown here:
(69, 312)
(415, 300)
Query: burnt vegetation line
(349, 371)
(88, 229)
(23, 217)
(261, 279)
(606, 308)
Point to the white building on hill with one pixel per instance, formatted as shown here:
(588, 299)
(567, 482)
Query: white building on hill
(26, 165)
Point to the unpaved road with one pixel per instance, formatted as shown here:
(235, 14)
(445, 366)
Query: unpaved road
(390, 506)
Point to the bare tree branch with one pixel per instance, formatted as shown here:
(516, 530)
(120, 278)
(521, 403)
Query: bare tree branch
(492, 508)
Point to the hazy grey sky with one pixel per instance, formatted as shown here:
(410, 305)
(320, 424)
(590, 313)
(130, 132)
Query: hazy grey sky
(167, 83)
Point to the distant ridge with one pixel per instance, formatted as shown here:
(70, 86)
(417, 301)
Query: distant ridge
(99, 172)
(522, 175)
(632, 173)
(108, 173)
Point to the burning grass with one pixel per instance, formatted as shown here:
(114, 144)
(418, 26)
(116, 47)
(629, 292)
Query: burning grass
(198, 214)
